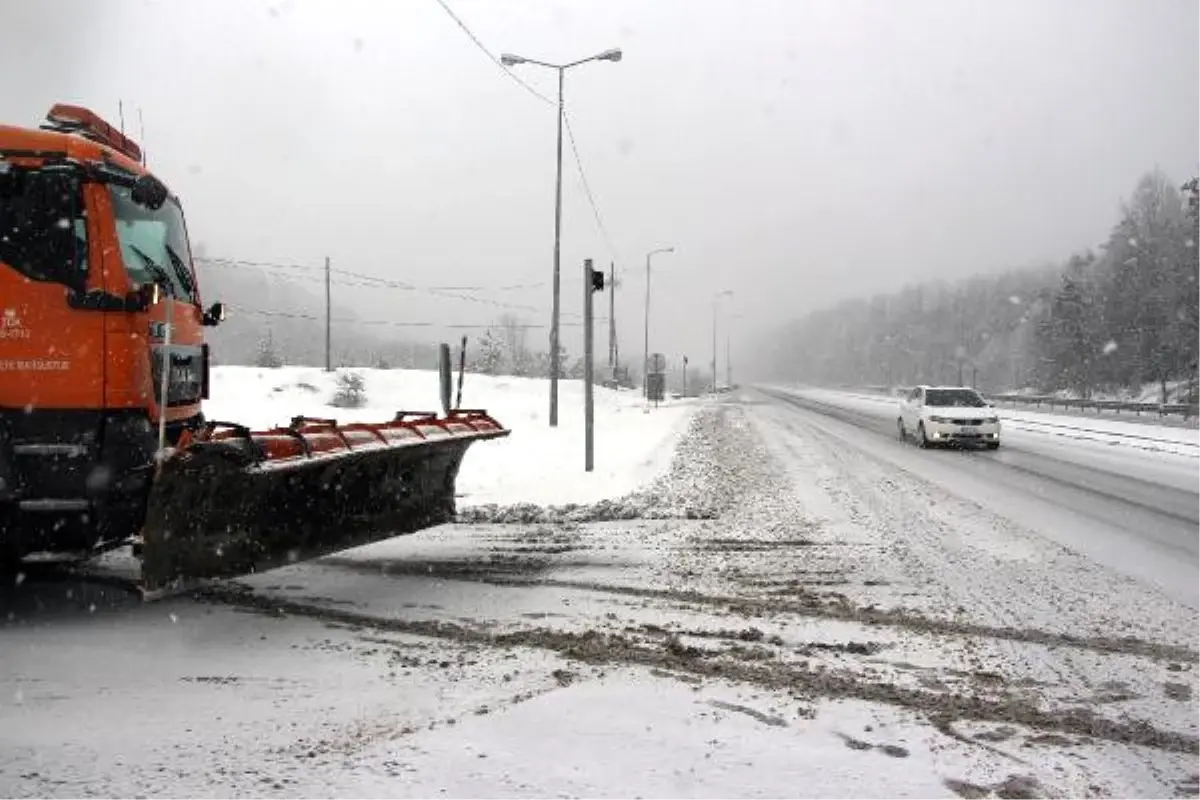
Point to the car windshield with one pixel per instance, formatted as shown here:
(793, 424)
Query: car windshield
(154, 243)
(43, 232)
(945, 398)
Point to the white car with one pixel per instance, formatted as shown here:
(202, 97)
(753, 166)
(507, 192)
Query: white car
(938, 415)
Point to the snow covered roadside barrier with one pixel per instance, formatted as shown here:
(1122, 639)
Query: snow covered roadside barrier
(535, 466)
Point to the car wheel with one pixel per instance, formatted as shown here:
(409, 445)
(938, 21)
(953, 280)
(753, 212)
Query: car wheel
(901, 431)
(922, 442)
(993, 445)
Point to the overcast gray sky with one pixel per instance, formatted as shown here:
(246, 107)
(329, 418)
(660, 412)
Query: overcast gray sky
(795, 151)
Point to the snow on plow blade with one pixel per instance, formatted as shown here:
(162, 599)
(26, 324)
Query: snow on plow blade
(229, 501)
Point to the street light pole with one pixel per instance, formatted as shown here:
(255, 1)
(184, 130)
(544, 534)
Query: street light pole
(728, 363)
(728, 337)
(714, 349)
(716, 299)
(646, 324)
(509, 60)
(557, 242)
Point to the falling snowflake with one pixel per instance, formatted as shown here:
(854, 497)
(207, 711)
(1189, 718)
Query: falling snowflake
(173, 618)
(1110, 347)
(1015, 300)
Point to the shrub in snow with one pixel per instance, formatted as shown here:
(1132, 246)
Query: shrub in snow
(351, 391)
(267, 355)
(490, 360)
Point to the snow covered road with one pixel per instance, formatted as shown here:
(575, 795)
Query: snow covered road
(786, 612)
(1124, 494)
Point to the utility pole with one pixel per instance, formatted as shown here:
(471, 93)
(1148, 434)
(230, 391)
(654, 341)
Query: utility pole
(612, 320)
(593, 281)
(685, 388)
(328, 321)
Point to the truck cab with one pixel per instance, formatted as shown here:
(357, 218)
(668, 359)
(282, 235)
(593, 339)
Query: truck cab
(99, 302)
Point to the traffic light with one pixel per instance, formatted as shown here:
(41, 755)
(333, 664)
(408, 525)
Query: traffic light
(597, 281)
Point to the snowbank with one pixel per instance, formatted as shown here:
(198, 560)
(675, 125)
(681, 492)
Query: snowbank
(535, 464)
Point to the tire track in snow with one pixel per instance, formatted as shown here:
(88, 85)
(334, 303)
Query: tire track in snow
(915, 521)
(592, 647)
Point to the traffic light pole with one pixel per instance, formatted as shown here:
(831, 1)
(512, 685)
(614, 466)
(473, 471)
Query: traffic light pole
(593, 281)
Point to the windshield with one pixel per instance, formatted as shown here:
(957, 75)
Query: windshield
(154, 244)
(43, 230)
(944, 398)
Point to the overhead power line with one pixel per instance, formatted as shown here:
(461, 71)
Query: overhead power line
(391, 322)
(587, 189)
(361, 279)
(566, 122)
(492, 57)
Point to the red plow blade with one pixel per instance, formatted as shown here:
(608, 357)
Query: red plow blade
(231, 501)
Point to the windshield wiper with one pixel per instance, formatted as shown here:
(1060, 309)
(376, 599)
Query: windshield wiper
(155, 268)
(181, 270)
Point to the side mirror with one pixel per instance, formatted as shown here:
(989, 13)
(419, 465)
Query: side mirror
(149, 192)
(214, 316)
(143, 297)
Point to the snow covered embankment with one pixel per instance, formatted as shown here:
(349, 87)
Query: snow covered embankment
(534, 466)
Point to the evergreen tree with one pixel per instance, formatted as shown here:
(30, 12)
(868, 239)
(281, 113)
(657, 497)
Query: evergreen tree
(267, 356)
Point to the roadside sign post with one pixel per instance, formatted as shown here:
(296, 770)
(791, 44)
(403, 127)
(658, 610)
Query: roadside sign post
(656, 378)
(462, 367)
(445, 377)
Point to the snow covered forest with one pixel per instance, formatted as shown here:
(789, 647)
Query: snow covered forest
(1104, 321)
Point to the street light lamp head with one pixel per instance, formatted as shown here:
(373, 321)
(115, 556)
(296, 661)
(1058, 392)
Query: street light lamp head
(508, 59)
(610, 55)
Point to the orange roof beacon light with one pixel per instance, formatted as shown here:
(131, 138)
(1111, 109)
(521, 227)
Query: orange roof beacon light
(65, 118)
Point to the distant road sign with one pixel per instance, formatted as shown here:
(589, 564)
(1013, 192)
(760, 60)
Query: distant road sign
(656, 386)
(658, 362)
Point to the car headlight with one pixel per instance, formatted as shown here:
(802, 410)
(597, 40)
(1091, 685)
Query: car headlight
(939, 419)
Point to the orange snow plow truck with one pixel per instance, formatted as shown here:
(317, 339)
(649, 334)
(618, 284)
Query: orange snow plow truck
(103, 370)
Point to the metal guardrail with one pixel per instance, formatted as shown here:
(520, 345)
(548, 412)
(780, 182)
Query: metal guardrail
(1185, 410)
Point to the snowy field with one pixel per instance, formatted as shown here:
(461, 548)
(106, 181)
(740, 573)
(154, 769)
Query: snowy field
(534, 464)
(797, 606)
